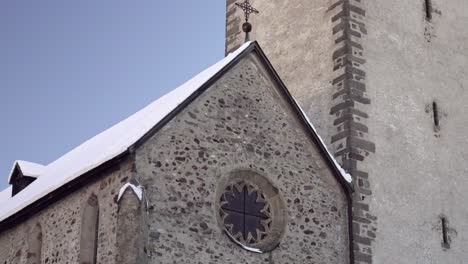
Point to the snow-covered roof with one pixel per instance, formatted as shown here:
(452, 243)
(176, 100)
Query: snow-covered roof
(110, 143)
(113, 142)
(5, 195)
(29, 169)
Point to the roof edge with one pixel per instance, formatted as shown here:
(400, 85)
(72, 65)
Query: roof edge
(12, 171)
(55, 195)
(331, 162)
(59, 193)
(251, 46)
(338, 172)
(62, 191)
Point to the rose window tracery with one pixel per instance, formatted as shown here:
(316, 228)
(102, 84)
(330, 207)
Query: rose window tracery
(245, 213)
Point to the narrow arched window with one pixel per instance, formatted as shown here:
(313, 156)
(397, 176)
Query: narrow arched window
(34, 245)
(89, 231)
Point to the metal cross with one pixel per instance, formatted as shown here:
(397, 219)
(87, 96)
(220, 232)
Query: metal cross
(247, 8)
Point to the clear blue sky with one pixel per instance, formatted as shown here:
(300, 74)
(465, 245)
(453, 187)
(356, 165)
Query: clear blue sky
(70, 69)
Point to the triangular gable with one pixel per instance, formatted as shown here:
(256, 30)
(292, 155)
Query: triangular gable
(118, 139)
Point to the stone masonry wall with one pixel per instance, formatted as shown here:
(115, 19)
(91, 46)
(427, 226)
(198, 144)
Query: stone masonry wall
(131, 241)
(241, 122)
(61, 223)
(351, 103)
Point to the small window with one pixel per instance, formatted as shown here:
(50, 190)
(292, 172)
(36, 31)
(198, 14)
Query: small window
(435, 112)
(445, 237)
(246, 213)
(251, 211)
(428, 8)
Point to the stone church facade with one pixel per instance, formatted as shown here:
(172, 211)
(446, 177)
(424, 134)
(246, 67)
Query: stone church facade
(385, 82)
(232, 172)
(228, 168)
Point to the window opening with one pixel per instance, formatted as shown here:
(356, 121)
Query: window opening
(245, 213)
(445, 239)
(428, 6)
(435, 110)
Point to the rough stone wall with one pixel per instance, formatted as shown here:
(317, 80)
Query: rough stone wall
(131, 242)
(241, 122)
(60, 224)
(419, 171)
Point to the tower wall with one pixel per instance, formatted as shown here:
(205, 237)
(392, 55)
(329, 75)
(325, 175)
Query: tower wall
(367, 73)
(419, 172)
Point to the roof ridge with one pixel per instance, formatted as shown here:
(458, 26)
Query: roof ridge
(112, 142)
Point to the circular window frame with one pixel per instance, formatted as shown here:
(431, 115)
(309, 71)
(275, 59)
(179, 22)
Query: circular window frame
(277, 209)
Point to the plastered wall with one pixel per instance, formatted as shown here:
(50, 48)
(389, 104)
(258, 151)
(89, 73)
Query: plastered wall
(395, 63)
(419, 172)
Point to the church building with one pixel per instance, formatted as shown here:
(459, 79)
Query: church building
(227, 168)
(334, 131)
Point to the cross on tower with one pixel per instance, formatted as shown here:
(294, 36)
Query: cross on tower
(247, 8)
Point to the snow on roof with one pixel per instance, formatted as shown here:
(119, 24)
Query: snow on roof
(343, 173)
(113, 142)
(110, 143)
(5, 195)
(138, 190)
(27, 168)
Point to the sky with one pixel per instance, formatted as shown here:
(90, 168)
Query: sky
(71, 69)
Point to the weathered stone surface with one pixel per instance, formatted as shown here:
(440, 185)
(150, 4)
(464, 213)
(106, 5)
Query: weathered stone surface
(241, 122)
(61, 224)
(130, 227)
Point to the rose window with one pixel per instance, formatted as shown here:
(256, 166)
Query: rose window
(245, 213)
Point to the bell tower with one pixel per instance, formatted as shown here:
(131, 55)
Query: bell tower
(385, 83)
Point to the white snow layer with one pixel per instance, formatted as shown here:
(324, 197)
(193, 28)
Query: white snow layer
(28, 169)
(136, 189)
(5, 195)
(110, 143)
(343, 173)
(256, 250)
